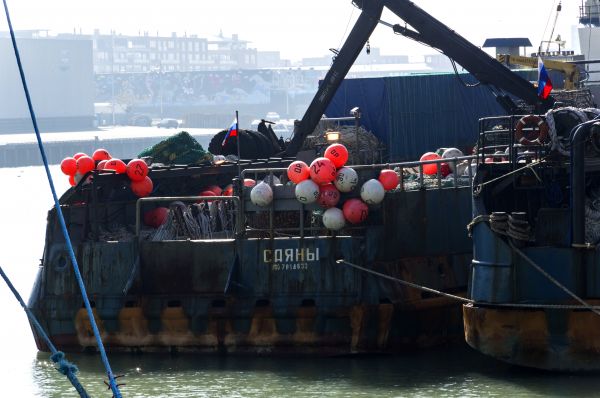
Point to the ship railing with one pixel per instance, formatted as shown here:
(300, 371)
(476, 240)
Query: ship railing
(285, 199)
(238, 226)
(497, 143)
(402, 168)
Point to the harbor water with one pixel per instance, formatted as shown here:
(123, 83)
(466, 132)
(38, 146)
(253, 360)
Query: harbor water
(456, 371)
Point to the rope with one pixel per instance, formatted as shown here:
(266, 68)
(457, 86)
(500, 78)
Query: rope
(64, 367)
(551, 279)
(529, 165)
(403, 282)
(469, 301)
(113, 384)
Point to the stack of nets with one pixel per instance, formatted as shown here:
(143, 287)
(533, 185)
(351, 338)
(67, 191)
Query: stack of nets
(198, 221)
(181, 148)
(364, 149)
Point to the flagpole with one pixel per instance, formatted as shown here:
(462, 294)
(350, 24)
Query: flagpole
(239, 133)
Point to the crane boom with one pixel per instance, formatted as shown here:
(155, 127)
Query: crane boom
(429, 31)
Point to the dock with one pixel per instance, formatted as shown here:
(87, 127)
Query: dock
(124, 142)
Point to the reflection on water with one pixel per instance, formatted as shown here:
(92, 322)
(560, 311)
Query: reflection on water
(446, 372)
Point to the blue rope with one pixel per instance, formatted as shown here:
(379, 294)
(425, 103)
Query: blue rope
(111, 378)
(65, 367)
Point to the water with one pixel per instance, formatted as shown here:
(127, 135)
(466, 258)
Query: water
(446, 372)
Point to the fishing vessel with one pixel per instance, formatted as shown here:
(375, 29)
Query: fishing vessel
(231, 275)
(533, 278)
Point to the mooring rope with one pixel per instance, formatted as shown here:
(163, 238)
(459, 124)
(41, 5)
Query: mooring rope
(64, 367)
(111, 378)
(403, 282)
(533, 306)
(551, 279)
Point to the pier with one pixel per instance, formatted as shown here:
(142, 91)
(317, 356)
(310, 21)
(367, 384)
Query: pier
(124, 142)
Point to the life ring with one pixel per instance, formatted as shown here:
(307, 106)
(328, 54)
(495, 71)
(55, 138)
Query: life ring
(538, 125)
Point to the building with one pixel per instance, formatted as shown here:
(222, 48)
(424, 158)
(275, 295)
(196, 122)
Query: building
(60, 79)
(145, 53)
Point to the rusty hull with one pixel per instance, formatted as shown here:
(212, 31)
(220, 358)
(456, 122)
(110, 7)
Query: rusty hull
(557, 339)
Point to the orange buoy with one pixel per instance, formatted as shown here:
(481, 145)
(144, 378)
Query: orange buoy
(117, 165)
(101, 164)
(137, 169)
(322, 171)
(338, 154)
(215, 189)
(156, 217)
(101, 154)
(355, 211)
(389, 179)
(69, 166)
(85, 164)
(228, 190)
(142, 188)
(430, 168)
(298, 171)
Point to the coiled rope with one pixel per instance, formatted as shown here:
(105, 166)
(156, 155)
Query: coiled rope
(58, 357)
(111, 378)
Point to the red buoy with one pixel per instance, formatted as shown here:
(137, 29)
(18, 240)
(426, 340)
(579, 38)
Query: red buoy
(215, 189)
(355, 211)
(72, 180)
(298, 171)
(85, 164)
(338, 154)
(329, 196)
(137, 170)
(117, 165)
(228, 190)
(445, 169)
(69, 166)
(101, 154)
(142, 188)
(322, 171)
(78, 155)
(389, 179)
(431, 168)
(156, 217)
(101, 164)
(249, 182)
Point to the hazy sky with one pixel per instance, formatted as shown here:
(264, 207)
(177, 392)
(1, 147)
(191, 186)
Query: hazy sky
(297, 28)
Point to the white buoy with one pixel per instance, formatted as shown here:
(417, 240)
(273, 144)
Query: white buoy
(307, 191)
(372, 192)
(333, 218)
(261, 194)
(452, 153)
(268, 178)
(346, 179)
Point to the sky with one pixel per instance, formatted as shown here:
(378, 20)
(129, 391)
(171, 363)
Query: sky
(305, 28)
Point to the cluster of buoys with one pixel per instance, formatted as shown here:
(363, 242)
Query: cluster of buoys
(137, 170)
(445, 168)
(327, 177)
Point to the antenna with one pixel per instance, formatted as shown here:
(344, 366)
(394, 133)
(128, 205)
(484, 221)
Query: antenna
(558, 9)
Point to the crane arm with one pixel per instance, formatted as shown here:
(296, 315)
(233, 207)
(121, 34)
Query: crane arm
(425, 29)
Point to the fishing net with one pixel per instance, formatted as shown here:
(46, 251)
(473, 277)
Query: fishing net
(181, 148)
(204, 220)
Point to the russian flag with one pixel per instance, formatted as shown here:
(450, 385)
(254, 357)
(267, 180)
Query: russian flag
(233, 132)
(544, 82)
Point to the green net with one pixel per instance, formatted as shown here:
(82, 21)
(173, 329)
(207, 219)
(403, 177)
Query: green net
(181, 148)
